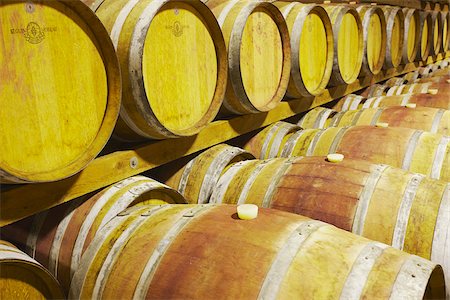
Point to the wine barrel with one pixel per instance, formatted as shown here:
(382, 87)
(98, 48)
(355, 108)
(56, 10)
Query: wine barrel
(374, 35)
(58, 108)
(420, 88)
(436, 101)
(166, 42)
(395, 81)
(255, 144)
(424, 118)
(259, 57)
(382, 203)
(409, 149)
(318, 117)
(312, 54)
(21, 277)
(436, 79)
(411, 36)
(412, 150)
(271, 139)
(414, 88)
(188, 252)
(445, 30)
(349, 102)
(376, 90)
(426, 37)
(196, 179)
(57, 238)
(428, 70)
(348, 44)
(436, 19)
(395, 27)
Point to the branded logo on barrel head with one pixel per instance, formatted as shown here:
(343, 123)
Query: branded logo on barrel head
(33, 33)
(177, 29)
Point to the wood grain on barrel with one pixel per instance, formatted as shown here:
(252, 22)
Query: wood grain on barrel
(196, 180)
(441, 101)
(437, 32)
(204, 250)
(409, 149)
(424, 118)
(374, 31)
(348, 43)
(23, 277)
(312, 48)
(62, 234)
(382, 203)
(160, 43)
(395, 27)
(257, 41)
(411, 36)
(58, 108)
(426, 39)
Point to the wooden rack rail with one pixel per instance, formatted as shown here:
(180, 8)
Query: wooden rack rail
(21, 201)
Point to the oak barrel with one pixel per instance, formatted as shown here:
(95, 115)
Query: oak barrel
(348, 44)
(353, 103)
(21, 277)
(421, 88)
(436, 19)
(406, 210)
(259, 57)
(270, 139)
(445, 31)
(375, 38)
(57, 238)
(197, 178)
(58, 108)
(426, 36)
(204, 251)
(424, 118)
(412, 150)
(395, 27)
(411, 42)
(169, 51)
(312, 48)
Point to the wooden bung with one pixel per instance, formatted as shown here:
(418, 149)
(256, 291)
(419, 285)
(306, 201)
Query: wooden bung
(374, 35)
(312, 48)
(411, 40)
(259, 58)
(57, 238)
(169, 52)
(196, 179)
(21, 277)
(58, 108)
(385, 204)
(195, 251)
(429, 119)
(348, 44)
(410, 149)
(395, 27)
